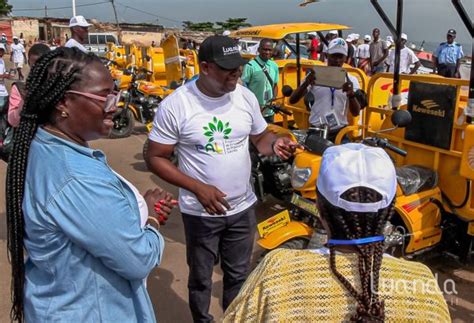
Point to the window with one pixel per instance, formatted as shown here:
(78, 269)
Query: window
(93, 39)
(110, 39)
(101, 39)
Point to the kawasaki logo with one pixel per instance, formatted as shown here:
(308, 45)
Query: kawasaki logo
(429, 107)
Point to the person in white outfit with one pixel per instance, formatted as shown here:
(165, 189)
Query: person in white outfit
(407, 58)
(18, 56)
(79, 33)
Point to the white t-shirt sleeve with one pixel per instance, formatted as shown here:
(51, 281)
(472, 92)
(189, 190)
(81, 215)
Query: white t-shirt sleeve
(259, 124)
(412, 57)
(355, 82)
(165, 126)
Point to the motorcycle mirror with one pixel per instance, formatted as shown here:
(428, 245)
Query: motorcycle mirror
(308, 100)
(286, 90)
(401, 118)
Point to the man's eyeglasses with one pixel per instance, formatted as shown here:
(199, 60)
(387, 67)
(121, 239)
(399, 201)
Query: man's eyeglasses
(110, 101)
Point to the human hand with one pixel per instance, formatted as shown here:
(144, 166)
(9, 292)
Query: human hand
(310, 77)
(284, 147)
(348, 88)
(212, 199)
(160, 203)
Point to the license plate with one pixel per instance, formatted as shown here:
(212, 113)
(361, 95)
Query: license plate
(470, 229)
(271, 224)
(305, 204)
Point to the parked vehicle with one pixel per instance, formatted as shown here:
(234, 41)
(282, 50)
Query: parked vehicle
(97, 42)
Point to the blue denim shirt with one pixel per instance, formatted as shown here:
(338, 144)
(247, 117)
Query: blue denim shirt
(87, 255)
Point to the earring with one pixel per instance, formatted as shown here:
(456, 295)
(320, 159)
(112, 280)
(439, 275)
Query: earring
(64, 114)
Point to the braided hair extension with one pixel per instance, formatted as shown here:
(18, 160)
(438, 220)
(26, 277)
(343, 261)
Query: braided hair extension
(354, 225)
(52, 75)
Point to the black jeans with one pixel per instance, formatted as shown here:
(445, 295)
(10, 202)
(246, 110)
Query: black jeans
(209, 239)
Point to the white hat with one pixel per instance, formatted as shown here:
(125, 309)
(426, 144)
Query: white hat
(226, 33)
(313, 33)
(78, 21)
(367, 37)
(2, 46)
(354, 165)
(390, 38)
(356, 36)
(404, 36)
(337, 46)
(333, 32)
(350, 38)
(3, 34)
(15, 37)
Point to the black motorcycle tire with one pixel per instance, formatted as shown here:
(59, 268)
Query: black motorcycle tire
(124, 126)
(298, 243)
(173, 159)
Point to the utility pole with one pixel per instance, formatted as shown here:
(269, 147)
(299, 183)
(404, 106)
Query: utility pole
(46, 11)
(73, 7)
(117, 22)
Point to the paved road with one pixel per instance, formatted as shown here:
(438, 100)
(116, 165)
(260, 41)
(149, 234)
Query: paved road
(167, 284)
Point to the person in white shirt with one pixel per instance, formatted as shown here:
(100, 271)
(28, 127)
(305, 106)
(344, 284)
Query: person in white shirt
(209, 123)
(363, 54)
(407, 58)
(331, 105)
(18, 56)
(79, 33)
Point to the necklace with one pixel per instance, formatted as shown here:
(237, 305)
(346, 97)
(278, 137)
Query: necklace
(64, 135)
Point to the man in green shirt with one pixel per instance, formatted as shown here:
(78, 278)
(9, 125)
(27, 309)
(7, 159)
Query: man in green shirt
(261, 77)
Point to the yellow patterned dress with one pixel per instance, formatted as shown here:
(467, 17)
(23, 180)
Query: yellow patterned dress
(298, 286)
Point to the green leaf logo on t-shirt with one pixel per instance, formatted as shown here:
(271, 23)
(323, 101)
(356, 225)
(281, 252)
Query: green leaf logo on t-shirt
(217, 128)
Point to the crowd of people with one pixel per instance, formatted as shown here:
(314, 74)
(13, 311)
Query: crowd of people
(91, 238)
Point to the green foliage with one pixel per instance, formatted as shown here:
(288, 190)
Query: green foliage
(229, 24)
(5, 8)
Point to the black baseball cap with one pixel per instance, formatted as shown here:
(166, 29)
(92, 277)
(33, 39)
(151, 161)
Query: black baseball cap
(221, 50)
(452, 32)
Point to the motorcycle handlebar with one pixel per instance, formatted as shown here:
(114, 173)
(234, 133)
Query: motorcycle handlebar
(383, 143)
(395, 149)
(279, 109)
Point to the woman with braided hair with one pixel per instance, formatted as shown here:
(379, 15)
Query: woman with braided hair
(350, 279)
(88, 238)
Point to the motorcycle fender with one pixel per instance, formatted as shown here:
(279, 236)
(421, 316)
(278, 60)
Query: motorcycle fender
(422, 219)
(291, 230)
(134, 111)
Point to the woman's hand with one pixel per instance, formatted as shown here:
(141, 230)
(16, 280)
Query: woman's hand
(160, 204)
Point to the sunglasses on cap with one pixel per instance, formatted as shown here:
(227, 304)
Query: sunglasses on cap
(110, 101)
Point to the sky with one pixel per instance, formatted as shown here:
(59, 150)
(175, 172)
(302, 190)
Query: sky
(426, 20)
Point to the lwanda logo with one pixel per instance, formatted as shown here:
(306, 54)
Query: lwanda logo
(429, 107)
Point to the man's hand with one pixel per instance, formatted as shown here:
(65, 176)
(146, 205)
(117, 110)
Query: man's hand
(284, 147)
(212, 199)
(348, 88)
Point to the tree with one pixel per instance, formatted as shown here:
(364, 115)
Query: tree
(229, 24)
(5, 8)
(198, 26)
(233, 24)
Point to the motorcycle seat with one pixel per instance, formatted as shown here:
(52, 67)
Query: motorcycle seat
(414, 179)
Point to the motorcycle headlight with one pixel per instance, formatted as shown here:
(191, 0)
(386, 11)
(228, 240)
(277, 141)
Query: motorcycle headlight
(299, 176)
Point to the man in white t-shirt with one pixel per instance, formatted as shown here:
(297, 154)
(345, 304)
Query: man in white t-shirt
(18, 56)
(209, 123)
(79, 33)
(407, 58)
(331, 105)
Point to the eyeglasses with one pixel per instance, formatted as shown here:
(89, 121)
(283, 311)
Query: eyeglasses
(111, 100)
